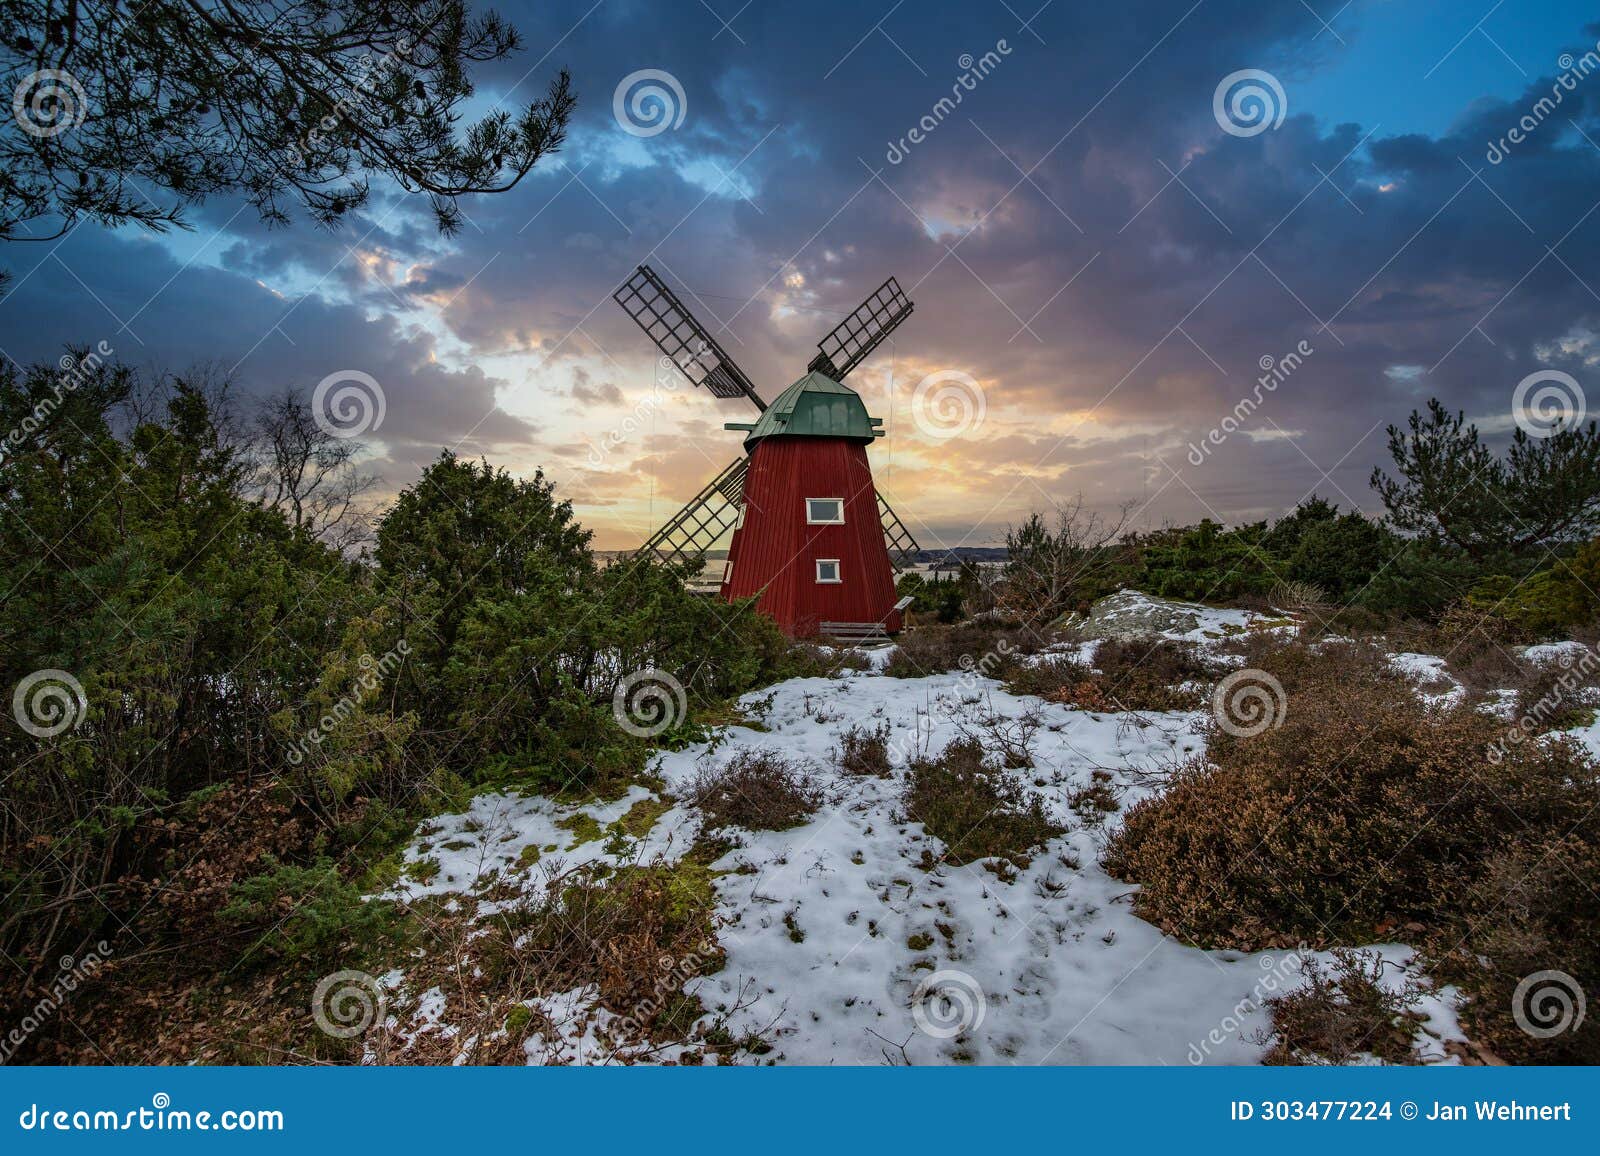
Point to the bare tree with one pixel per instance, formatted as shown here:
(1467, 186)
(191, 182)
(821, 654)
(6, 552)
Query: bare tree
(311, 475)
(1049, 571)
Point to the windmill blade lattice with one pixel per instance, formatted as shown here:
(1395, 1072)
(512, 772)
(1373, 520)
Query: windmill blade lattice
(709, 515)
(848, 343)
(657, 310)
(903, 548)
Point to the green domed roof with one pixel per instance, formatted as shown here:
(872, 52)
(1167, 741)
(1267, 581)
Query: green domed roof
(814, 406)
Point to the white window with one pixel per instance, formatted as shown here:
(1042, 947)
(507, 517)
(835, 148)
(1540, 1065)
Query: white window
(825, 511)
(828, 570)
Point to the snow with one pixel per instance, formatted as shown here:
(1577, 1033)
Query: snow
(1554, 651)
(1211, 623)
(888, 953)
(1429, 669)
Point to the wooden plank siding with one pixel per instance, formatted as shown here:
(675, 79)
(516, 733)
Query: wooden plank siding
(774, 553)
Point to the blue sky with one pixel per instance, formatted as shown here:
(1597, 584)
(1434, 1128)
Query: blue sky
(1415, 66)
(1100, 264)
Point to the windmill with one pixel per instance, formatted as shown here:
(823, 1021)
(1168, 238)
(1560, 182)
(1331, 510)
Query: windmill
(812, 536)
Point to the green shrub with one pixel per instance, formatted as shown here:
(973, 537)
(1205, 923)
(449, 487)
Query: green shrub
(1341, 555)
(939, 597)
(304, 914)
(1549, 604)
(1208, 563)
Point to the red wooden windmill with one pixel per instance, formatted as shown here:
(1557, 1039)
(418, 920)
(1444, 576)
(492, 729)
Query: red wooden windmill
(812, 536)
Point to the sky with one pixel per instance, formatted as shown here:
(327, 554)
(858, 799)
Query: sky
(1129, 285)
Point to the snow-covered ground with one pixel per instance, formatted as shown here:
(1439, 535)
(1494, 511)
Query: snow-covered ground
(844, 947)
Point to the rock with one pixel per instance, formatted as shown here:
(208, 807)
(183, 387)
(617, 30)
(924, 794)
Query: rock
(1128, 614)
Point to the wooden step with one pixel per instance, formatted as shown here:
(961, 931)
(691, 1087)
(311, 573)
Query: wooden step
(854, 632)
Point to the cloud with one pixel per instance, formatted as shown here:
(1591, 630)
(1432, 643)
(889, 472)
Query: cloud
(1078, 234)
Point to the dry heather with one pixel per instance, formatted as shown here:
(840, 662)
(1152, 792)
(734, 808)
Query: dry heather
(1147, 674)
(638, 935)
(984, 647)
(1341, 1014)
(757, 790)
(865, 752)
(1367, 815)
(977, 811)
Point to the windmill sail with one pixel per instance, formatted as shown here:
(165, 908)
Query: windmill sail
(709, 515)
(657, 310)
(903, 547)
(848, 343)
